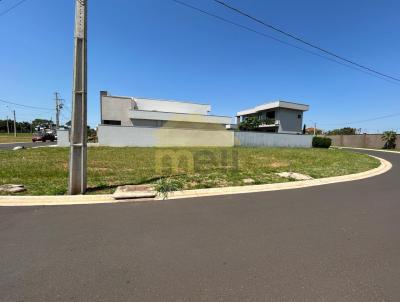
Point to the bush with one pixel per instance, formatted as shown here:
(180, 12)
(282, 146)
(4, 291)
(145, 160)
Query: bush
(389, 137)
(250, 124)
(321, 142)
(166, 185)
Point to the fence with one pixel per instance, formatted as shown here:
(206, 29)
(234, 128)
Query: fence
(260, 139)
(371, 141)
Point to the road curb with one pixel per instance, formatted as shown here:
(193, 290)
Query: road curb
(101, 199)
(15, 143)
(367, 149)
(383, 168)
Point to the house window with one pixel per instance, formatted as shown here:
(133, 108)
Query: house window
(112, 122)
(299, 116)
(270, 114)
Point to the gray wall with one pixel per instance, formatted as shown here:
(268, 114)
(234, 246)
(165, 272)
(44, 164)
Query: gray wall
(119, 136)
(289, 121)
(372, 141)
(262, 139)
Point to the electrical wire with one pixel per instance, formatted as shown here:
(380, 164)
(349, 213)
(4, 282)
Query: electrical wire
(303, 41)
(365, 121)
(26, 106)
(279, 40)
(12, 7)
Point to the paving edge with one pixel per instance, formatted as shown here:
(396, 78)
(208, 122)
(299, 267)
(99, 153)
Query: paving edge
(101, 199)
(368, 149)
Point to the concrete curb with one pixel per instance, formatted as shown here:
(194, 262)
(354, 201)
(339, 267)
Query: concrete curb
(15, 143)
(99, 199)
(378, 150)
(384, 167)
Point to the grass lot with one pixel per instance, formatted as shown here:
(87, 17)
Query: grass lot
(21, 137)
(45, 170)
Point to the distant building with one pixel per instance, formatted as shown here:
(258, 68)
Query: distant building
(277, 117)
(153, 113)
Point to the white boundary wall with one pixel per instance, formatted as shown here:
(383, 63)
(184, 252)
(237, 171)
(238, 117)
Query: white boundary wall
(260, 139)
(120, 136)
(63, 138)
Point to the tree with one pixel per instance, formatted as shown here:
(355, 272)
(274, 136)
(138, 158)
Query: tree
(249, 124)
(343, 131)
(389, 137)
(91, 135)
(25, 127)
(42, 123)
(311, 131)
(3, 125)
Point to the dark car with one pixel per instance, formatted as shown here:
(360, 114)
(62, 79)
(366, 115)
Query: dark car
(43, 137)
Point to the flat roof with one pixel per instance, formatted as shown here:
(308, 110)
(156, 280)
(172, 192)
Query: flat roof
(152, 99)
(193, 114)
(272, 105)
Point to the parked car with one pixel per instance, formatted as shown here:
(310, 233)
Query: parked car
(43, 137)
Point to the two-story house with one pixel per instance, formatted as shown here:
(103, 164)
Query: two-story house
(276, 117)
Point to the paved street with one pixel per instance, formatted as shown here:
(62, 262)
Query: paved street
(26, 145)
(337, 242)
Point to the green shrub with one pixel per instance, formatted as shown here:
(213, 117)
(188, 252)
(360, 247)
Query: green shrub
(389, 137)
(166, 185)
(321, 142)
(250, 124)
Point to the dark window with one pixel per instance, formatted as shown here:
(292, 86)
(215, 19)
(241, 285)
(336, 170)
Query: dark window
(112, 122)
(270, 114)
(299, 116)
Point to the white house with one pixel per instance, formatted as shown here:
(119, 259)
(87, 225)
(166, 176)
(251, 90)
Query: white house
(134, 121)
(144, 112)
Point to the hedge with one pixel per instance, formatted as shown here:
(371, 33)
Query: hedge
(321, 142)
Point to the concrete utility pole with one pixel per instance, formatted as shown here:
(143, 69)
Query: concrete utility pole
(8, 127)
(15, 125)
(315, 129)
(78, 139)
(59, 106)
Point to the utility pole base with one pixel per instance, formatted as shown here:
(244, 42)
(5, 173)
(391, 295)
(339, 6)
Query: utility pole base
(77, 173)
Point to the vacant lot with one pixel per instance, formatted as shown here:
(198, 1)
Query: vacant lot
(10, 138)
(45, 170)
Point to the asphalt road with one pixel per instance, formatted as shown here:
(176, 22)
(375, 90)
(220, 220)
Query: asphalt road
(338, 242)
(26, 145)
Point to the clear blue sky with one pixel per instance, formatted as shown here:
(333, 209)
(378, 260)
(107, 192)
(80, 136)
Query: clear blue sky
(159, 49)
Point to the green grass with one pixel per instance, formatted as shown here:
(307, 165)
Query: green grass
(45, 170)
(10, 138)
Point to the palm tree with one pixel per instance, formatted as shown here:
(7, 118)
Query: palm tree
(389, 137)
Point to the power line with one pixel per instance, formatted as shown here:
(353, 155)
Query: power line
(366, 120)
(279, 40)
(12, 7)
(26, 106)
(303, 41)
